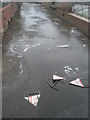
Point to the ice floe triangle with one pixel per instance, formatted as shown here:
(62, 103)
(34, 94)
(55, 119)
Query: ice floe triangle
(77, 82)
(33, 99)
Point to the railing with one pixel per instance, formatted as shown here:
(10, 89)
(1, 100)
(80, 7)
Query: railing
(82, 10)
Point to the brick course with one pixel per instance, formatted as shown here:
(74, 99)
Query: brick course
(6, 14)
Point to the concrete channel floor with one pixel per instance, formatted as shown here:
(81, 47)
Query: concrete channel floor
(31, 55)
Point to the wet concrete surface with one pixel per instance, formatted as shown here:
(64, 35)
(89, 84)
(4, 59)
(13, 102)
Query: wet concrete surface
(31, 55)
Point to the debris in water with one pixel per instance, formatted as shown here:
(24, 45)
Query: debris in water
(77, 82)
(62, 46)
(52, 86)
(33, 98)
(73, 29)
(55, 79)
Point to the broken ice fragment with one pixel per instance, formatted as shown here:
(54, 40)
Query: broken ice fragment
(56, 77)
(66, 70)
(70, 69)
(25, 49)
(66, 67)
(77, 69)
(77, 82)
(33, 98)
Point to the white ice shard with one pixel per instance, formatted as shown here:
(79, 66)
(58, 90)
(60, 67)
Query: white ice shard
(62, 46)
(56, 77)
(77, 82)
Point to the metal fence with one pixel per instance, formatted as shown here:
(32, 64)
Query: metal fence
(82, 10)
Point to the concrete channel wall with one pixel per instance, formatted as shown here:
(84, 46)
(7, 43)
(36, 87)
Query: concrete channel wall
(7, 13)
(79, 22)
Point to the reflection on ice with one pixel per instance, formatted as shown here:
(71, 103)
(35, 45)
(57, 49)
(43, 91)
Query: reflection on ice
(33, 46)
(10, 60)
(21, 67)
(13, 50)
(24, 35)
(48, 48)
(39, 44)
(62, 46)
(26, 49)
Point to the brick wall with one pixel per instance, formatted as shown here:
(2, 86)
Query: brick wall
(6, 15)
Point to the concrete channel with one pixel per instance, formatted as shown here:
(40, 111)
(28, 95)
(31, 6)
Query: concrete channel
(30, 56)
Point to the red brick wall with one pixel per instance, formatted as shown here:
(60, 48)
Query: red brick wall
(6, 13)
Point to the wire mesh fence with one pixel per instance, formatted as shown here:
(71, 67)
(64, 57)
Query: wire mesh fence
(82, 10)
